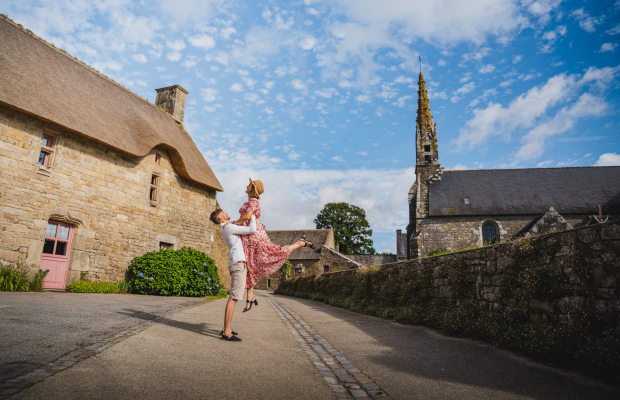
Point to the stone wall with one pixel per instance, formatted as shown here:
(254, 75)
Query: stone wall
(462, 232)
(368, 260)
(102, 192)
(555, 296)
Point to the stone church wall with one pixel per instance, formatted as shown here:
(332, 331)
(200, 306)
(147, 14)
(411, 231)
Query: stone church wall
(462, 232)
(103, 192)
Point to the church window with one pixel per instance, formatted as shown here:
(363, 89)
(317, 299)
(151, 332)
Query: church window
(489, 234)
(427, 147)
(427, 159)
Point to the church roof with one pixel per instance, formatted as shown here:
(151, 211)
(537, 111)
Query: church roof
(43, 81)
(526, 191)
(318, 237)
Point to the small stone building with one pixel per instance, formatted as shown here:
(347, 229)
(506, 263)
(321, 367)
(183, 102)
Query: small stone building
(459, 209)
(92, 175)
(306, 261)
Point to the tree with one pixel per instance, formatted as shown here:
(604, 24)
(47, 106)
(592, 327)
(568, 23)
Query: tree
(351, 230)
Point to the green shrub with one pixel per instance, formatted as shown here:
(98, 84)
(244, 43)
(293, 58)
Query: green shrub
(92, 287)
(37, 280)
(286, 269)
(123, 286)
(438, 251)
(12, 279)
(167, 272)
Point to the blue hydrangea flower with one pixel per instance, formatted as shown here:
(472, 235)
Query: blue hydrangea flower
(194, 269)
(202, 274)
(208, 287)
(217, 285)
(209, 279)
(204, 265)
(150, 278)
(140, 274)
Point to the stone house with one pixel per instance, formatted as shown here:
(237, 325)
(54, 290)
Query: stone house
(324, 258)
(458, 209)
(92, 175)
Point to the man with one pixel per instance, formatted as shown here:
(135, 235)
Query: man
(237, 265)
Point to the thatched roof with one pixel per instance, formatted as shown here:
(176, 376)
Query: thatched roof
(318, 237)
(577, 190)
(40, 80)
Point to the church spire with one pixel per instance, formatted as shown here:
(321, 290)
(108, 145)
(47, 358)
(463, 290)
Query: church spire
(426, 130)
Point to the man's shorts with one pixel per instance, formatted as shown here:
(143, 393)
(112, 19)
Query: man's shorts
(238, 277)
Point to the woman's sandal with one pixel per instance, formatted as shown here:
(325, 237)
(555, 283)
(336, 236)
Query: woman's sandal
(253, 301)
(233, 332)
(307, 243)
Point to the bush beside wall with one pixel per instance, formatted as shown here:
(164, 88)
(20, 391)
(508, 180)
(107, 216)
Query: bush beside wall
(92, 287)
(554, 297)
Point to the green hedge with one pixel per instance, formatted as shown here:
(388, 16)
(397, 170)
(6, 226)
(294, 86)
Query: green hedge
(590, 343)
(167, 272)
(92, 287)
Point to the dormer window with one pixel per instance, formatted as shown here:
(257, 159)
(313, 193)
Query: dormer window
(427, 147)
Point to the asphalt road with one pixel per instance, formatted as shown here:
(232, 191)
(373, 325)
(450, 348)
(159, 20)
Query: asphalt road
(36, 328)
(180, 357)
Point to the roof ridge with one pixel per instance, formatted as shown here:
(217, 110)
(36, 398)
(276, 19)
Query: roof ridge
(523, 169)
(82, 63)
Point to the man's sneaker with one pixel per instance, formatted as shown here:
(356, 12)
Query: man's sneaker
(232, 338)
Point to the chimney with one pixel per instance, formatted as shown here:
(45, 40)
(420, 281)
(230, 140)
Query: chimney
(172, 99)
(337, 247)
(399, 233)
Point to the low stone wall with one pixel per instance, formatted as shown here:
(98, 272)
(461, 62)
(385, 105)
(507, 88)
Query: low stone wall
(368, 260)
(554, 297)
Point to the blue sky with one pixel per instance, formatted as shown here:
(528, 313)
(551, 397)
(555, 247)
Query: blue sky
(317, 98)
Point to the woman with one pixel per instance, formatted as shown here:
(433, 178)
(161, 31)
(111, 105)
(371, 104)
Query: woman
(263, 257)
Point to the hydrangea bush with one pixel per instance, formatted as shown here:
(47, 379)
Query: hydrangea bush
(167, 272)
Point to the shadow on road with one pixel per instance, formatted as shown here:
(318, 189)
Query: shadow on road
(200, 328)
(425, 353)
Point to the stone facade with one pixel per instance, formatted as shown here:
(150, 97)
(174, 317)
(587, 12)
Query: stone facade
(103, 193)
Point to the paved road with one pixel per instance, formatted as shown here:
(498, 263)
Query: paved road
(36, 328)
(180, 357)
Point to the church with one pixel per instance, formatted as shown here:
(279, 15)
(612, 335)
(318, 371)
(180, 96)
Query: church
(458, 209)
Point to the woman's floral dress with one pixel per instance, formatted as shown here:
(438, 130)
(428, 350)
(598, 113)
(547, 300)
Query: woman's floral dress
(263, 257)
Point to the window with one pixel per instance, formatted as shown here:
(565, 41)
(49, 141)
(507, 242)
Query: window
(164, 245)
(489, 234)
(427, 159)
(466, 200)
(427, 147)
(154, 191)
(268, 282)
(325, 269)
(56, 239)
(157, 157)
(46, 151)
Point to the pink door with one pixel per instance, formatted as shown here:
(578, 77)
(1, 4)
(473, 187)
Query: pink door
(56, 254)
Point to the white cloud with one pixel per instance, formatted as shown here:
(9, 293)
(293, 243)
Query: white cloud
(141, 58)
(268, 110)
(227, 32)
(208, 94)
(441, 63)
(517, 58)
(362, 153)
(487, 69)
(613, 31)
(190, 61)
(362, 98)
(236, 87)
(529, 112)
(402, 101)
(298, 84)
(209, 109)
(338, 159)
(307, 43)
(326, 92)
(222, 58)
(459, 167)
(608, 160)
(202, 41)
(586, 22)
(293, 155)
(608, 47)
(253, 98)
(551, 37)
(174, 56)
(176, 45)
(477, 56)
(108, 66)
(280, 97)
(507, 83)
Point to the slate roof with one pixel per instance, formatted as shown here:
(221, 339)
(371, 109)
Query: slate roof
(318, 237)
(526, 191)
(45, 82)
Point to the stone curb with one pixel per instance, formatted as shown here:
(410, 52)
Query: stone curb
(344, 379)
(15, 385)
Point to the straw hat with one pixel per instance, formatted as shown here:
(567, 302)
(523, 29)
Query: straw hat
(258, 186)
